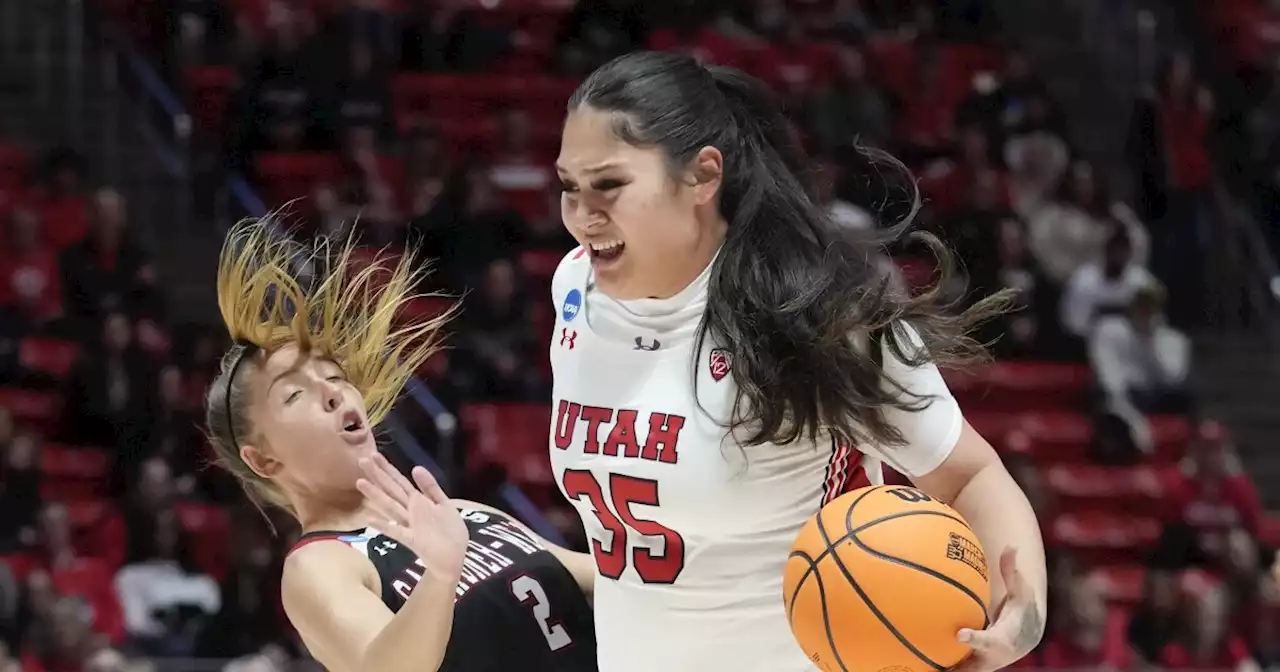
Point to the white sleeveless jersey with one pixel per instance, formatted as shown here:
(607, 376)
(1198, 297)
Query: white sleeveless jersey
(689, 530)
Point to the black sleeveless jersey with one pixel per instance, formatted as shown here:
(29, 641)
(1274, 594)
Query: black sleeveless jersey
(516, 607)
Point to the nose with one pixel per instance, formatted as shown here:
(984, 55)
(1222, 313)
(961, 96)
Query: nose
(332, 397)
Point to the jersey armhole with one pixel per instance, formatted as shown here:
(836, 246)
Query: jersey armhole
(371, 578)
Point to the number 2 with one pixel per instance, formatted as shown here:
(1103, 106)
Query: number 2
(624, 491)
(530, 593)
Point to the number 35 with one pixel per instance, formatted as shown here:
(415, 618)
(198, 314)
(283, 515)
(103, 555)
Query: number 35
(652, 566)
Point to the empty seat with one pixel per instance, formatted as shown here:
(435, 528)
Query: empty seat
(1023, 386)
(28, 406)
(1101, 537)
(1138, 489)
(513, 435)
(209, 531)
(49, 356)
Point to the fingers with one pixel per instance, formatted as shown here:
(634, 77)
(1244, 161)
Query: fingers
(384, 477)
(1015, 585)
(429, 485)
(388, 510)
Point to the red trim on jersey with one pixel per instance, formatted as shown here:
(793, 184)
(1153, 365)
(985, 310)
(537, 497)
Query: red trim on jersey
(578, 254)
(311, 540)
(844, 472)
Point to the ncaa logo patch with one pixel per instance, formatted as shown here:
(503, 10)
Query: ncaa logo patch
(720, 364)
(572, 305)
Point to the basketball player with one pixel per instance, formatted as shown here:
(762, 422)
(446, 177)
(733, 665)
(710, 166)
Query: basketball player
(388, 575)
(726, 361)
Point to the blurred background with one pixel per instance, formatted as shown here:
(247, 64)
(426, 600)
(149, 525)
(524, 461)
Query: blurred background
(1115, 161)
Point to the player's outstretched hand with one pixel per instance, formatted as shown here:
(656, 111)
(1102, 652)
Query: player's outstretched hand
(421, 517)
(1017, 627)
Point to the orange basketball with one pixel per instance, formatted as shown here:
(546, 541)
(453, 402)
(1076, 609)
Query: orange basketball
(882, 579)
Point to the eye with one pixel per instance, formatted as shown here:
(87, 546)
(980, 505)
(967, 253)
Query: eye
(292, 396)
(336, 379)
(568, 188)
(607, 185)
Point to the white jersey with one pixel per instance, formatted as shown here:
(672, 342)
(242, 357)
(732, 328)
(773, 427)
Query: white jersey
(689, 530)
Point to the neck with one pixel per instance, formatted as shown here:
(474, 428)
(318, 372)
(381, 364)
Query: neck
(348, 513)
(704, 251)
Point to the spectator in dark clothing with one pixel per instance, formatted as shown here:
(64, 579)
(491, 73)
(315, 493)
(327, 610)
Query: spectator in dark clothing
(596, 31)
(1155, 621)
(196, 32)
(108, 271)
(274, 110)
(484, 229)
(107, 395)
(497, 332)
(361, 97)
(29, 280)
(849, 108)
(19, 490)
(368, 22)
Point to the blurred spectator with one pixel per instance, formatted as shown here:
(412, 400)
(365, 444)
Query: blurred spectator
(19, 488)
(596, 31)
(366, 22)
(1103, 287)
(60, 199)
(107, 660)
(8, 663)
(151, 497)
(1037, 161)
(1215, 495)
(1032, 329)
(160, 593)
(249, 617)
(197, 32)
(277, 103)
(496, 330)
(1209, 642)
(65, 640)
(514, 166)
(107, 395)
(361, 96)
(172, 434)
(454, 35)
(848, 109)
(1072, 230)
(1156, 620)
(1140, 363)
(108, 271)
(29, 279)
(1082, 637)
(54, 546)
(485, 229)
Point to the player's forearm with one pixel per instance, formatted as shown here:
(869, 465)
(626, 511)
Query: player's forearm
(1002, 518)
(417, 637)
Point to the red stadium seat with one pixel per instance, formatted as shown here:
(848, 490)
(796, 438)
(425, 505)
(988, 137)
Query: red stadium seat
(1025, 386)
(1099, 537)
(425, 307)
(35, 408)
(208, 93)
(1087, 487)
(287, 176)
(513, 435)
(1122, 583)
(73, 473)
(210, 532)
(50, 356)
(92, 579)
(540, 265)
(99, 530)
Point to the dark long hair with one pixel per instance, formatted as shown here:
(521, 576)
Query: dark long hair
(800, 304)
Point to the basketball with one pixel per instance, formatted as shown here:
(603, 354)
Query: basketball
(882, 579)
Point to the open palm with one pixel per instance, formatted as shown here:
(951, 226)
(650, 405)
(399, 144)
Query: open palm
(422, 518)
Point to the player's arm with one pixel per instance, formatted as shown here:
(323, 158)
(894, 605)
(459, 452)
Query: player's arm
(949, 460)
(580, 565)
(329, 596)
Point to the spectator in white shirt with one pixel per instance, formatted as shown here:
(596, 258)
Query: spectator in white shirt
(1104, 287)
(158, 590)
(1140, 362)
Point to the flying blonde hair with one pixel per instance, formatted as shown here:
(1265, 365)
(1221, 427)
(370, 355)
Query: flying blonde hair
(275, 291)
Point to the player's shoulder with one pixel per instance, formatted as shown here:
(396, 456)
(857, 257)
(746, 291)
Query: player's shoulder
(324, 560)
(571, 272)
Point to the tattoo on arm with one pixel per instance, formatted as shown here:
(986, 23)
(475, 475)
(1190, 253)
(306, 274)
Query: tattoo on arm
(1031, 630)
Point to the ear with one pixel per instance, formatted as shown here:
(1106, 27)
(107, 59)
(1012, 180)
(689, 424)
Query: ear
(261, 462)
(706, 170)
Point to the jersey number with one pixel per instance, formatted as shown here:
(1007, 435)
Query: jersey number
(624, 491)
(530, 593)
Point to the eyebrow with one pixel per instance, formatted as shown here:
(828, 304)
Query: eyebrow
(598, 168)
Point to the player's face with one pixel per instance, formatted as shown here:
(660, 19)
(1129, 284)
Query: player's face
(649, 232)
(311, 421)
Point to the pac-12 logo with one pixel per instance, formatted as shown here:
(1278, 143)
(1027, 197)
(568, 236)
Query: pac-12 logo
(721, 363)
(572, 304)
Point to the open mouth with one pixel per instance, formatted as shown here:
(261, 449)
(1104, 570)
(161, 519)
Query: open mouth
(352, 422)
(608, 250)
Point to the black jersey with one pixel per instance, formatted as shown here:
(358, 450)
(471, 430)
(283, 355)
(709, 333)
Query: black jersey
(516, 607)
